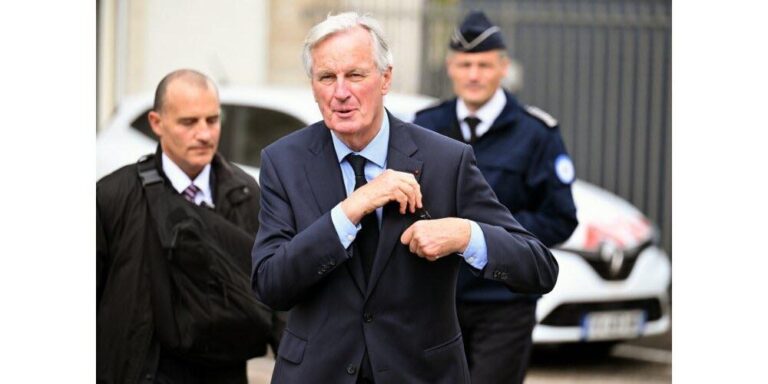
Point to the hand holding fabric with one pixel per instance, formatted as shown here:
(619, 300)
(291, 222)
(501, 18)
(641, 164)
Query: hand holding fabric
(390, 185)
(433, 239)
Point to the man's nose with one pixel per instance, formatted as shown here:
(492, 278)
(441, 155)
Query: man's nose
(341, 91)
(203, 131)
(474, 72)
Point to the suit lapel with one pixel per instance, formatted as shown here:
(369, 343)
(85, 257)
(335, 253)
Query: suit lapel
(327, 184)
(401, 148)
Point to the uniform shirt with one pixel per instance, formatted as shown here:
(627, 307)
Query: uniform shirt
(181, 181)
(375, 152)
(487, 114)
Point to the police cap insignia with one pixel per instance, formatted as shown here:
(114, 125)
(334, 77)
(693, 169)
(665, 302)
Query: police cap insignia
(476, 34)
(545, 118)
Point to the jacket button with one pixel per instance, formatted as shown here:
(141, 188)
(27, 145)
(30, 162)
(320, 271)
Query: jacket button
(367, 317)
(351, 369)
(148, 377)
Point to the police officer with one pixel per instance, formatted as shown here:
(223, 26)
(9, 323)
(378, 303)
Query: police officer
(521, 154)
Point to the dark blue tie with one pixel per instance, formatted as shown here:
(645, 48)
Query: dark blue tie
(367, 239)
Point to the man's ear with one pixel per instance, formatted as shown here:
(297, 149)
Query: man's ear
(154, 122)
(448, 62)
(387, 80)
(505, 64)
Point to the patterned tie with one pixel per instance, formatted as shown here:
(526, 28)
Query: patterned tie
(472, 122)
(190, 193)
(367, 239)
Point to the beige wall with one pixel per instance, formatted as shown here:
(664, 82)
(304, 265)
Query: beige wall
(235, 41)
(227, 39)
(143, 40)
(289, 23)
(106, 61)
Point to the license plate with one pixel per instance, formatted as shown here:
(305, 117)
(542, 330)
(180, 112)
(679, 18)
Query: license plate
(610, 325)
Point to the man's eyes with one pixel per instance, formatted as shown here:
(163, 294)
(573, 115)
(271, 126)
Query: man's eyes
(191, 122)
(355, 76)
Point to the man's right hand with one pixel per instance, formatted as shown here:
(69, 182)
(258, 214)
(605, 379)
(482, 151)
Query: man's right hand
(389, 186)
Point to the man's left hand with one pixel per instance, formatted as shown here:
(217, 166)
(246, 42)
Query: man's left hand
(433, 239)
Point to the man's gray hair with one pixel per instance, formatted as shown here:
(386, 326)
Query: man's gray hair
(343, 22)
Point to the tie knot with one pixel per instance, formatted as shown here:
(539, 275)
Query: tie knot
(472, 121)
(358, 164)
(190, 193)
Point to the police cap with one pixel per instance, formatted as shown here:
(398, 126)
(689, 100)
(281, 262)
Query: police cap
(477, 34)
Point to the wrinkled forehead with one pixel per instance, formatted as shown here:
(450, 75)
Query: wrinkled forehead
(344, 50)
(356, 40)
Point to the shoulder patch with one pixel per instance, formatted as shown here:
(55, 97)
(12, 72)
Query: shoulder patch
(564, 169)
(538, 113)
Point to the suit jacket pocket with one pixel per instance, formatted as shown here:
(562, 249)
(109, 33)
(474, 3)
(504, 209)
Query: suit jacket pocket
(446, 362)
(443, 346)
(291, 347)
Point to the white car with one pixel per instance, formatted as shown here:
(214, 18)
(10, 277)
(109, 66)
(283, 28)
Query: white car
(614, 278)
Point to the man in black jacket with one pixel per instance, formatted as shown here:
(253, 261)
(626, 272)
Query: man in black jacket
(522, 156)
(186, 117)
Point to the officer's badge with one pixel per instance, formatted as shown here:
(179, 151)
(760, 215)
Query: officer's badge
(564, 169)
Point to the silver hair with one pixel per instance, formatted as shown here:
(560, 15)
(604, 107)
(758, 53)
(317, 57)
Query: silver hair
(343, 22)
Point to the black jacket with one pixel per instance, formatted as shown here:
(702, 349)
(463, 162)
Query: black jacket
(126, 237)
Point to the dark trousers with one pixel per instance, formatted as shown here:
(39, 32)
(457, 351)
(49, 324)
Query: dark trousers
(174, 370)
(497, 339)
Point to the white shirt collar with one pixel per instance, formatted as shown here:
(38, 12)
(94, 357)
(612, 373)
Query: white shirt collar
(181, 181)
(375, 151)
(487, 114)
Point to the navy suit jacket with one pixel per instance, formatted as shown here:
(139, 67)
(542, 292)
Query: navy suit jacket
(405, 316)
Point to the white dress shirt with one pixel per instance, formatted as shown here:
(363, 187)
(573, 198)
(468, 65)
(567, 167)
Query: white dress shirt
(181, 181)
(487, 114)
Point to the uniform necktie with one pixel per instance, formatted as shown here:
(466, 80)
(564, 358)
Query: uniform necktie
(190, 192)
(367, 239)
(472, 122)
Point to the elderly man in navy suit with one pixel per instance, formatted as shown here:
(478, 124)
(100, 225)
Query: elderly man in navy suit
(364, 222)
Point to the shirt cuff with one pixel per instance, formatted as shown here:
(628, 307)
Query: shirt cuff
(344, 227)
(476, 253)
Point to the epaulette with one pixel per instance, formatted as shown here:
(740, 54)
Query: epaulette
(539, 114)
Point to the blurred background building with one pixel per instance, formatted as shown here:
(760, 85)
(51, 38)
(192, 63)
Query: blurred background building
(601, 67)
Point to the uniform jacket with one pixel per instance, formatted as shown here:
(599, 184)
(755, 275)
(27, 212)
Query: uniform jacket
(517, 157)
(126, 237)
(406, 315)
